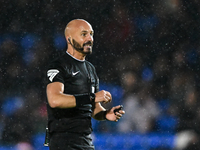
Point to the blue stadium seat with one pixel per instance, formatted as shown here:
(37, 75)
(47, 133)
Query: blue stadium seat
(7, 147)
(110, 141)
(167, 124)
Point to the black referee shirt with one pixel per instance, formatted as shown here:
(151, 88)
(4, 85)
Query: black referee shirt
(78, 77)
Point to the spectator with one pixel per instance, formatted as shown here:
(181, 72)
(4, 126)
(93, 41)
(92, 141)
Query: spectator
(142, 111)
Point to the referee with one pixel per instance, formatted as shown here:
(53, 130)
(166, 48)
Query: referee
(73, 93)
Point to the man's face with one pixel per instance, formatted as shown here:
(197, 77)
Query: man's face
(86, 48)
(83, 38)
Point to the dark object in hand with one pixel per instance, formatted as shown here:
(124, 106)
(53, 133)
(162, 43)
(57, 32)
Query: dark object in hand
(117, 110)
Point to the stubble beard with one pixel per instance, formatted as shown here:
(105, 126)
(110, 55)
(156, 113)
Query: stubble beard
(81, 49)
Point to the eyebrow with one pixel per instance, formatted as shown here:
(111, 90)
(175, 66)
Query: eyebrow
(87, 31)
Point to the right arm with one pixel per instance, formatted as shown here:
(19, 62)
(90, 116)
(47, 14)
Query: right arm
(56, 97)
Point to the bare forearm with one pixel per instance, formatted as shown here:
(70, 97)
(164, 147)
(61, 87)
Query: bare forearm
(61, 101)
(99, 112)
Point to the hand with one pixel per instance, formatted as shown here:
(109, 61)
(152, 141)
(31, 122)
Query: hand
(103, 96)
(114, 116)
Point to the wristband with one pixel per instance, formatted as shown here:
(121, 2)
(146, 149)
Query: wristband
(104, 115)
(82, 99)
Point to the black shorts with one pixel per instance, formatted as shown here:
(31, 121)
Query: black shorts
(70, 141)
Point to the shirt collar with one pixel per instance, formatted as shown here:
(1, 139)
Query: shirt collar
(74, 57)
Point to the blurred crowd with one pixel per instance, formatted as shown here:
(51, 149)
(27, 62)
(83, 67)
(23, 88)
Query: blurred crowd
(146, 52)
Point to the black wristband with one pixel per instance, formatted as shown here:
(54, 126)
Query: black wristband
(104, 115)
(82, 99)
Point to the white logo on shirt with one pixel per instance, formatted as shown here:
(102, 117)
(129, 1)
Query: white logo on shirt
(52, 73)
(74, 73)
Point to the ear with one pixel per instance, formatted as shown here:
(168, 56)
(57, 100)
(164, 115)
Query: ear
(69, 40)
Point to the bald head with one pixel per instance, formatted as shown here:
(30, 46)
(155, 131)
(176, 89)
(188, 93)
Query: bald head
(79, 36)
(75, 24)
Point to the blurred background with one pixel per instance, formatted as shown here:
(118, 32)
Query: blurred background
(146, 53)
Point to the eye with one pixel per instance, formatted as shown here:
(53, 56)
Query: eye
(83, 34)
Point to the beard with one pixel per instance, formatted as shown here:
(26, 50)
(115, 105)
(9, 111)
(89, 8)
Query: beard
(81, 49)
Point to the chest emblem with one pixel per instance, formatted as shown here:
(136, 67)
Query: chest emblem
(75, 73)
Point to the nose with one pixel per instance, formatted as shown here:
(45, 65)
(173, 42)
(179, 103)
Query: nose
(90, 38)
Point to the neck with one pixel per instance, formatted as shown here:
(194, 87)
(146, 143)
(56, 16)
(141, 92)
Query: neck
(76, 54)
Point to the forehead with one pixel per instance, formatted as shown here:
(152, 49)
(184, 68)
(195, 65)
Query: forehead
(82, 27)
(87, 29)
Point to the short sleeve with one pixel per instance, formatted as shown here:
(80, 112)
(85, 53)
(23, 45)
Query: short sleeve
(55, 73)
